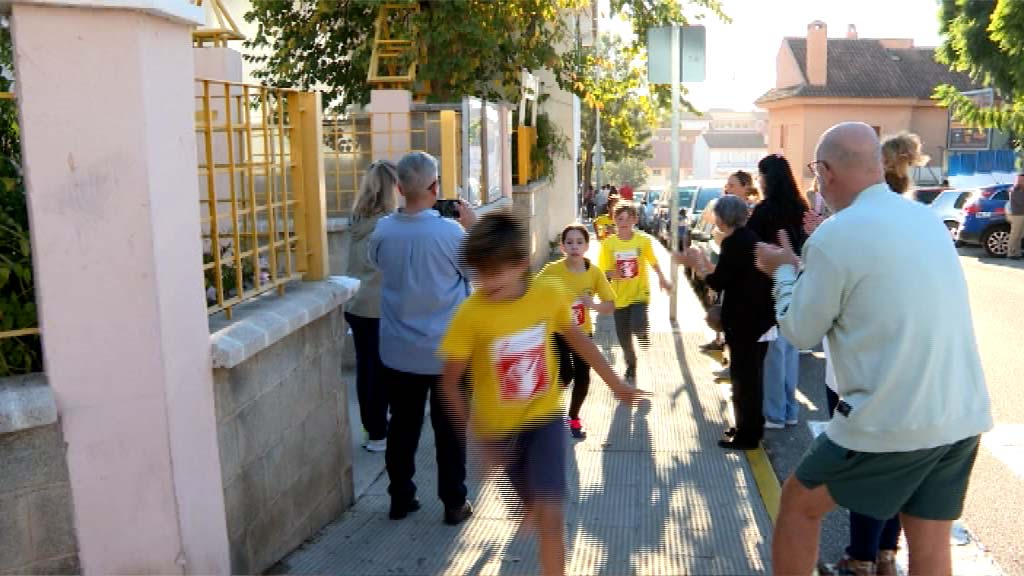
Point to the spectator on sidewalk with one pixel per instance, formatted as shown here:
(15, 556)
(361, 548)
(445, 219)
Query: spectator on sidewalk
(602, 201)
(626, 192)
(913, 400)
(783, 208)
(1015, 216)
(378, 197)
(746, 316)
(422, 283)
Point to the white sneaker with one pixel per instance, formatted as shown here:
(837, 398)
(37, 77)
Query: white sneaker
(376, 445)
(792, 422)
(769, 425)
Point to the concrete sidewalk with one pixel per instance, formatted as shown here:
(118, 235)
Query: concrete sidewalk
(650, 492)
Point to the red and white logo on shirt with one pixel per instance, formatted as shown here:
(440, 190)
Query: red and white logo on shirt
(627, 263)
(521, 363)
(579, 312)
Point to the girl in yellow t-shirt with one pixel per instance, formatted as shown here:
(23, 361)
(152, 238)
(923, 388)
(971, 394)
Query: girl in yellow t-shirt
(583, 281)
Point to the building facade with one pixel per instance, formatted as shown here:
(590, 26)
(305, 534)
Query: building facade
(719, 154)
(886, 83)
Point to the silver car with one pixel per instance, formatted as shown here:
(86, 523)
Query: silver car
(948, 206)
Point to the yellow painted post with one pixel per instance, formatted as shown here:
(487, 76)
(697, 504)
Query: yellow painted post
(526, 139)
(449, 154)
(311, 219)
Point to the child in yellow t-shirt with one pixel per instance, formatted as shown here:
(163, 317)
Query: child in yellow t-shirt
(625, 258)
(604, 225)
(583, 281)
(502, 334)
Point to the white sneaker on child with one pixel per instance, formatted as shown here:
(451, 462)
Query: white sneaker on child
(376, 445)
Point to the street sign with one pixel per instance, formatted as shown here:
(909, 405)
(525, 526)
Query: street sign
(692, 54)
(964, 137)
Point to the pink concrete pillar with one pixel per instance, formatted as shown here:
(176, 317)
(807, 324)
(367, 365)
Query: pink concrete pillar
(107, 113)
(390, 124)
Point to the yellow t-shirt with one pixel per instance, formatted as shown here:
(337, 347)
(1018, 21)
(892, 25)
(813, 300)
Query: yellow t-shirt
(604, 226)
(587, 283)
(631, 257)
(514, 371)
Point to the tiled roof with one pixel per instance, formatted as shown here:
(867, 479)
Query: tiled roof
(734, 139)
(864, 68)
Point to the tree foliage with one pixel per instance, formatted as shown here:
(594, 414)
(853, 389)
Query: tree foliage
(469, 47)
(626, 171)
(17, 294)
(985, 39)
(478, 48)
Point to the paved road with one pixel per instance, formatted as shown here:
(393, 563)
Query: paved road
(993, 506)
(997, 491)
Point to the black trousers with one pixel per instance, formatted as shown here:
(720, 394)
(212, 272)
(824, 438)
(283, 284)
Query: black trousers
(373, 396)
(746, 369)
(632, 321)
(408, 394)
(574, 370)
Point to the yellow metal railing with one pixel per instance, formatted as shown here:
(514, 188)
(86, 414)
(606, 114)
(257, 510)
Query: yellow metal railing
(352, 141)
(261, 195)
(393, 59)
(21, 332)
(217, 36)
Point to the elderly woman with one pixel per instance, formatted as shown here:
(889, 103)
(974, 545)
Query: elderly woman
(747, 314)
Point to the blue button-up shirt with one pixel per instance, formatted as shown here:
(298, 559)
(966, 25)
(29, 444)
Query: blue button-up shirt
(421, 286)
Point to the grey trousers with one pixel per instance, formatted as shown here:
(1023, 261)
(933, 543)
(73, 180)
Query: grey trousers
(632, 321)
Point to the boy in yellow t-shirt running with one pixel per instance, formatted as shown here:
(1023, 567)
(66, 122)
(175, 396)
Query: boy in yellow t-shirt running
(625, 258)
(604, 225)
(502, 334)
(583, 281)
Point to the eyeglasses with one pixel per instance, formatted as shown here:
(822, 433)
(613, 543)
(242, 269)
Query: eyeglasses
(815, 167)
(436, 182)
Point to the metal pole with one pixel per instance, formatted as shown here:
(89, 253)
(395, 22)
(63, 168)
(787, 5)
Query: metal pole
(598, 153)
(674, 179)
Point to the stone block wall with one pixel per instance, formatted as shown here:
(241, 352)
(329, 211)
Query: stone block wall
(530, 201)
(338, 240)
(284, 442)
(37, 533)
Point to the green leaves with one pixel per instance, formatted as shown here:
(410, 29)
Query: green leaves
(986, 41)
(468, 47)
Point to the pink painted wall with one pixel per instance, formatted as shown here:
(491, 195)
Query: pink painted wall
(107, 112)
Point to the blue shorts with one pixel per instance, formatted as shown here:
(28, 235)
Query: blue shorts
(536, 461)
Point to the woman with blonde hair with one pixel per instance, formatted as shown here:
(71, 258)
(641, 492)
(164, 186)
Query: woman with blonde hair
(378, 197)
(899, 153)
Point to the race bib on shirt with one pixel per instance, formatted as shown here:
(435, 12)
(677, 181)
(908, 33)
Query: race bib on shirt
(628, 264)
(579, 312)
(521, 363)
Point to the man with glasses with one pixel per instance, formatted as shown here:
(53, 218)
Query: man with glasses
(913, 400)
(422, 283)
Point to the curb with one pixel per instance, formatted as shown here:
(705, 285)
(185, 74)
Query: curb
(767, 483)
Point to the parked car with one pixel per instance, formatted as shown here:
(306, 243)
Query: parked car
(646, 202)
(686, 194)
(985, 222)
(693, 199)
(702, 237)
(929, 194)
(948, 205)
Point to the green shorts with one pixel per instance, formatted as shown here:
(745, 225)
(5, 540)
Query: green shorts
(928, 484)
